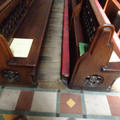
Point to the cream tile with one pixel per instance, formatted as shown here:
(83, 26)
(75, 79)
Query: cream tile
(8, 99)
(45, 118)
(97, 105)
(44, 102)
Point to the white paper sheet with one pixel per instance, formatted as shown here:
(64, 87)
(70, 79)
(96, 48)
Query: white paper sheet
(20, 47)
(114, 57)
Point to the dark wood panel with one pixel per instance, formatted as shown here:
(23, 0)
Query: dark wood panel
(2, 1)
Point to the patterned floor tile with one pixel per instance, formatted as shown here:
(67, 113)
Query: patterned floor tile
(44, 102)
(46, 118)
(70, 103)
(97, 105)
(114, 103)
(8, 99)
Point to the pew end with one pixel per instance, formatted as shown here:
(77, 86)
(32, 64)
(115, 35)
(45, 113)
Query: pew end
(92, 40)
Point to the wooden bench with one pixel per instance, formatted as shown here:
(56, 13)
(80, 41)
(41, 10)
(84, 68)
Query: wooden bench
(112, 10)
(28, 33)
(92, 39)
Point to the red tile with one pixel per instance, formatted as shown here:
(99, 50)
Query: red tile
(71, 119)
(114, 103)
(64, 108)
(25, 101)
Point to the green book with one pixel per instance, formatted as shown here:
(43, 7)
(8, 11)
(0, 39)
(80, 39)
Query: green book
(83, 47)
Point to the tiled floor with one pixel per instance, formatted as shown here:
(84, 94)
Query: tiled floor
(43, 104)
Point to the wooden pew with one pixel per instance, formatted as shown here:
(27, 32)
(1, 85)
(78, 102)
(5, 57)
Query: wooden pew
(119, 33)
(23, 24)
(112, 10)
(103, 3)
(91, 40)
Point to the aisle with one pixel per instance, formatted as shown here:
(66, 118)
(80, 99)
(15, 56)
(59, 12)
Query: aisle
(50, 57)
